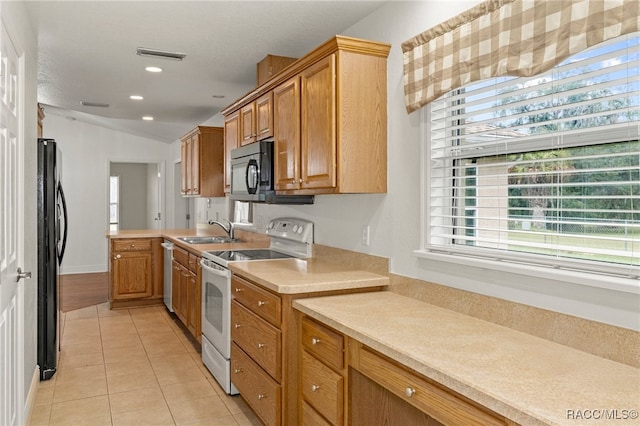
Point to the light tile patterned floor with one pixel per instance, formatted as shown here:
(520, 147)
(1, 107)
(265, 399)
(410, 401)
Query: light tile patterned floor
(132, 367)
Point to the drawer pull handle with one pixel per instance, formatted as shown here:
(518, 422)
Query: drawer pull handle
(261, 396)
(238, 370)
(237, 325)
(260, 345)
(315, 340)
(314, 388)
(238, 290)
(409, 392)
(261, 303)
(133, 245)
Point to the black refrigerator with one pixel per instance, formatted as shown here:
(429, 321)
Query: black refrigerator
(52, 241)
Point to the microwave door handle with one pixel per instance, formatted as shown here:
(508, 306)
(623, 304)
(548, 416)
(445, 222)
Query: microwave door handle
(252, 176)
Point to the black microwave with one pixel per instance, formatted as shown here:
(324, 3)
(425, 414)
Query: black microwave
(252, 176)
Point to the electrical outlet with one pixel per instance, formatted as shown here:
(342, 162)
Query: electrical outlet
(364, 238)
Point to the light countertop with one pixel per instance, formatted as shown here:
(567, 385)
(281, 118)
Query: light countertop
(293, 276)
(527, 379)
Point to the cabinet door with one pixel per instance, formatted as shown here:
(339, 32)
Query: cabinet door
(193, 303)
(132, 275)
(183, 169)
(264, 116)
(286, 128)
(248, 124)
(195, 164)
(318, 116)
(187, 166)
(176, 280)
(231, 139)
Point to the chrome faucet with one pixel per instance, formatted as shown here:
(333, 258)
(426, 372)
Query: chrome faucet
(229, 228)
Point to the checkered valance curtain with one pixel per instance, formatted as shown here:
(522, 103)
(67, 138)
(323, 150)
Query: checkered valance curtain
(508, 37)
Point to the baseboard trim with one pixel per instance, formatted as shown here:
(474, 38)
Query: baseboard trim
(31, 396)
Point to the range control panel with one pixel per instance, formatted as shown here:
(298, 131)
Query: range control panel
(289, 228)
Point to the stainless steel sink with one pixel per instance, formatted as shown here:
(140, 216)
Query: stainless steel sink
(207, 240)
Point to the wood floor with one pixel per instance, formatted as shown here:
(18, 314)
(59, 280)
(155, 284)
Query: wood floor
(82, 290)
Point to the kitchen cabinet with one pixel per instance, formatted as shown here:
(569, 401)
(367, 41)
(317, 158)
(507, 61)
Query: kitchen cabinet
(329, 119)
(256, 120)
(202, 155)
(305, 129)
(323, 378)
(264, 350)
(186, 292)
(345, 382)
(231, 142)
(135, 272)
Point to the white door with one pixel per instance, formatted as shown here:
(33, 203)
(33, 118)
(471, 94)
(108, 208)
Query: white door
(11, 235)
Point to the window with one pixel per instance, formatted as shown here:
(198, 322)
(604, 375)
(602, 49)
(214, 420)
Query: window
(114, 199)
(543, 170)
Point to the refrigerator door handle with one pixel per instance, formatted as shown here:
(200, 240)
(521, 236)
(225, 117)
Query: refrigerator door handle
(64, 213)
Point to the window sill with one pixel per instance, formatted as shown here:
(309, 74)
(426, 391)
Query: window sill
(608, 282)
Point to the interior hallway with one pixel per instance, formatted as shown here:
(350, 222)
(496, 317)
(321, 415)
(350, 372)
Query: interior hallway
(132, 367)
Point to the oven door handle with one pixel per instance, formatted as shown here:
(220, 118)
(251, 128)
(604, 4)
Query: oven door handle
(215, 271)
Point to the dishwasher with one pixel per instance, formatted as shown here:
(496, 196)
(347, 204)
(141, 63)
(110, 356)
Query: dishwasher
(168, 259)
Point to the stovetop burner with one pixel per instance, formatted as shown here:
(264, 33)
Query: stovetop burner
(289, 238)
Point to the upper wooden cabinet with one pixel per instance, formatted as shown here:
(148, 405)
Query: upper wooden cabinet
(329, 119)
(256, 120)
(231, 142)
(202, 153)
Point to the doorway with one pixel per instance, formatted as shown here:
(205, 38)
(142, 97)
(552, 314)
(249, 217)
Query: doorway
(135, 195)
(183, 206)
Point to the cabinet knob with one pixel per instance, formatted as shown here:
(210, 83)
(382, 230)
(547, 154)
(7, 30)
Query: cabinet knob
(409, 392)
(238, 370)
(260, 345)
(133, 245)
(238, 290)
(314, 388)
(293, 182)
(261, 303)
(261, 396)
(117, 256)
(301, 181)
(237, 326)
(315, 340)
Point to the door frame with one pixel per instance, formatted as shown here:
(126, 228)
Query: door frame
(162, 182)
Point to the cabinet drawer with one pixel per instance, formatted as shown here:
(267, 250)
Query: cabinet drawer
(181, 256)
(310, 417)
(260, 391)
(257, 338)
(322, 388)
(132, 245)
(323, 343)
(193, 263)
(261, 302)
(445, 407)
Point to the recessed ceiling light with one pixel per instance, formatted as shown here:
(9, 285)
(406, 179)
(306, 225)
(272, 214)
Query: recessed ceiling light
(136, 97)
(147, 118)
(153, 69)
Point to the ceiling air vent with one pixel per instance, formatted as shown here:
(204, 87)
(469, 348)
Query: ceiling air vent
(95, 104)
(153, 53)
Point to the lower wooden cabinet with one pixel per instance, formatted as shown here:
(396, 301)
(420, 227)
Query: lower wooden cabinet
(186, 290)
(266, 364)
(345, 382)
(135, 272)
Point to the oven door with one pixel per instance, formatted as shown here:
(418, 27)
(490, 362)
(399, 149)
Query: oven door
(216, 306)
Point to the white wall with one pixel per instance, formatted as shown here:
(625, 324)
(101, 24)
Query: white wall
(394, 218)
(86, 153)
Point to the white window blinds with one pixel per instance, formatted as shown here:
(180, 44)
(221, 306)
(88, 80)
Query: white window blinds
(545, 169)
